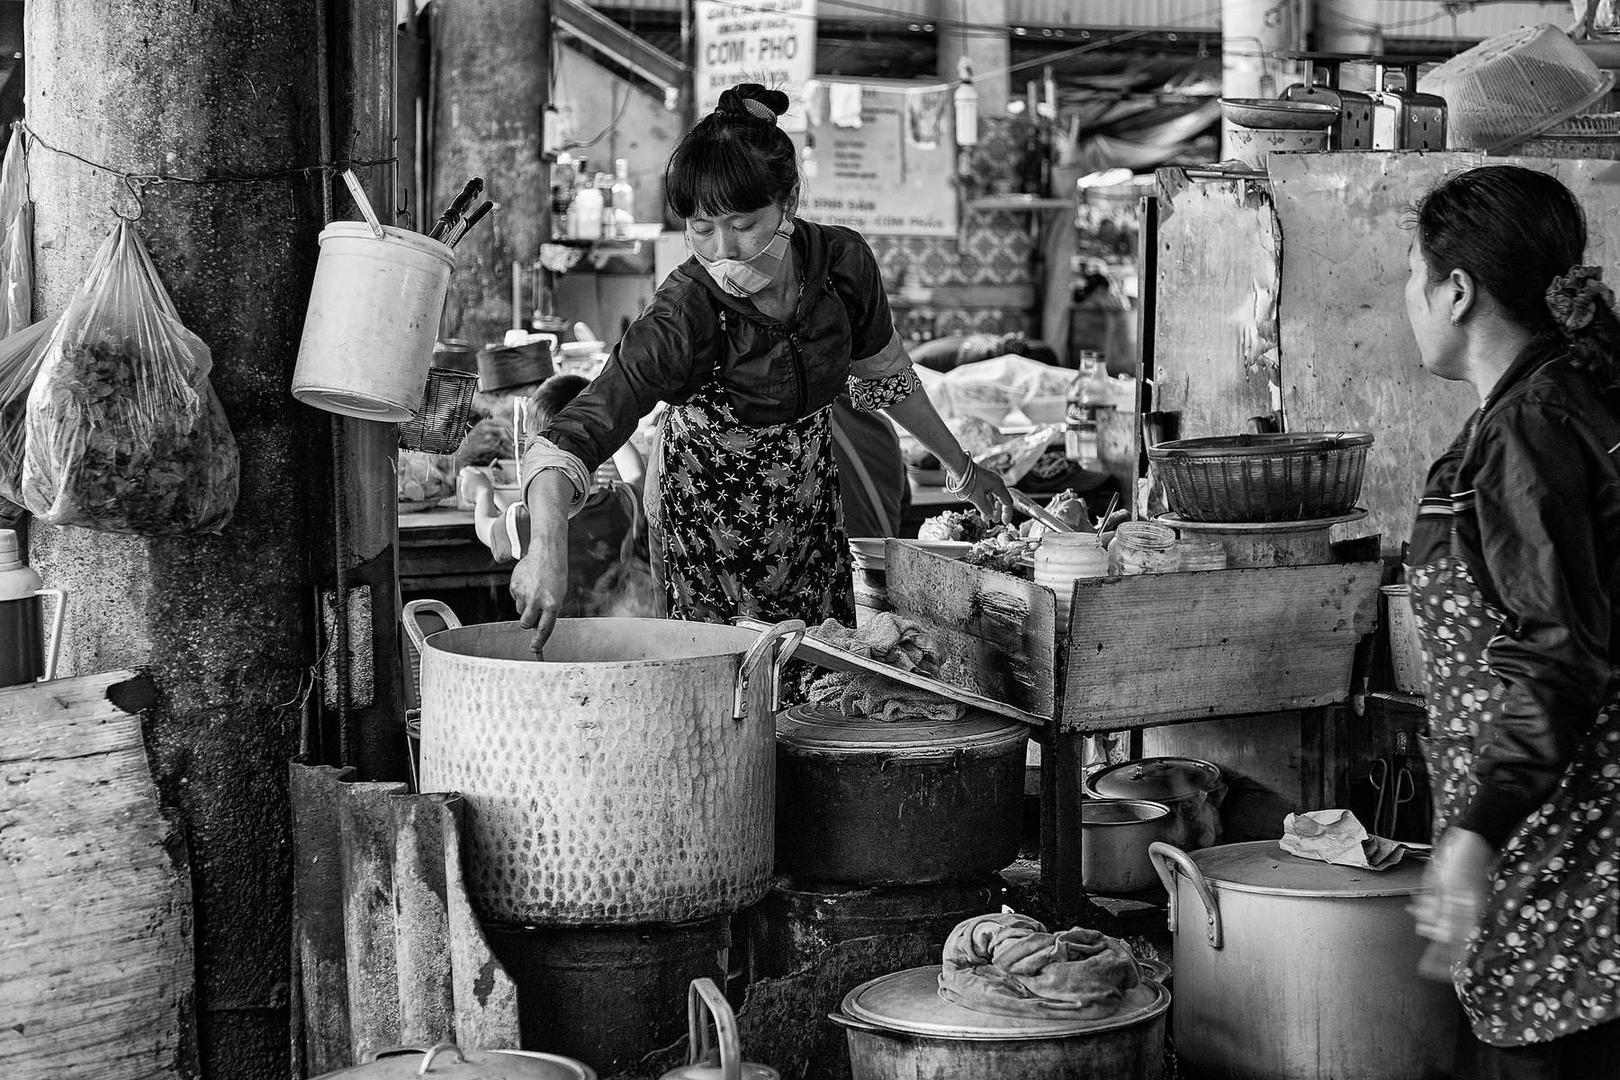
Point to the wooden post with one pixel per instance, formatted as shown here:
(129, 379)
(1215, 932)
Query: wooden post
(220, 623)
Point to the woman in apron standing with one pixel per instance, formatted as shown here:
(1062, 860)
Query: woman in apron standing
(1513, 568)
(750, 342)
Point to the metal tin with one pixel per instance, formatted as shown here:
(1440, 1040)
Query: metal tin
(447, 1061)
(909, 1002)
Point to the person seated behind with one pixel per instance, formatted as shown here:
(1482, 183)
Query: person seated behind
(607, 545)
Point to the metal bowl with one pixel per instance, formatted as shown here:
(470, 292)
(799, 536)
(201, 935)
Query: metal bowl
(1278, 115)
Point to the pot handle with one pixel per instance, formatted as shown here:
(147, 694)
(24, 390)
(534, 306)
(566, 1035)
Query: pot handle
(60, 595)
(703, 994)
(791, 629)
(1162, 855)
(414, 629)
(428, 1055)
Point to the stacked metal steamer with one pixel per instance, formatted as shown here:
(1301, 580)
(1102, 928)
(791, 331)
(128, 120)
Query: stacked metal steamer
(620, 798)
(886, 828)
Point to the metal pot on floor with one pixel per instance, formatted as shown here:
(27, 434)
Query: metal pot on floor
(447, 1061)
(1293, 969)
(907, 802)
(899, 1028)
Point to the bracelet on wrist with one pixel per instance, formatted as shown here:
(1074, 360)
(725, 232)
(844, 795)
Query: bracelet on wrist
(956, 485)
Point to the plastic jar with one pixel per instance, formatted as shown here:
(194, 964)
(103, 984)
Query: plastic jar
(1064, 558)
(1143, 547)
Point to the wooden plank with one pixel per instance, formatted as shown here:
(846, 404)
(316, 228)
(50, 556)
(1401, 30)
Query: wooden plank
(95, 892)
(486, 1005)
(998, 631)
(1348, 358)
(1165, 648)
(317, 917)
(1216, 291)
(365, 819)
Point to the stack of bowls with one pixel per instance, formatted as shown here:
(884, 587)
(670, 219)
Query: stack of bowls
(1251, 128)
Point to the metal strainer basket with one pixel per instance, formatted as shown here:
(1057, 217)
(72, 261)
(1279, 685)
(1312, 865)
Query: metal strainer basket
(441, 423)
(1513, 86)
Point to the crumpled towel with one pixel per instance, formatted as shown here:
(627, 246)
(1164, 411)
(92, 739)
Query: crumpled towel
(889, 640)
(1335, 836)
(1010, 965)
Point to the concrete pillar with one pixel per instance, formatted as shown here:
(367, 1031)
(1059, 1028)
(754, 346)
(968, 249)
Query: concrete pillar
(977, 29)
(221, 623)
(491, 67)
(1349, 26)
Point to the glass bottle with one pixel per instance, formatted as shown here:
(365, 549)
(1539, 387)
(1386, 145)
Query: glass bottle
(1086, 397)
(624, 196)
(585, 216)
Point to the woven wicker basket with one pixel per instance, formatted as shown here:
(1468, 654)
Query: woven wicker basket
(441, 424)
(1293, 477)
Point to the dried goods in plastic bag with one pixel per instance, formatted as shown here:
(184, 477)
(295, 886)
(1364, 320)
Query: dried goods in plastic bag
(20, 357)
(124, 431)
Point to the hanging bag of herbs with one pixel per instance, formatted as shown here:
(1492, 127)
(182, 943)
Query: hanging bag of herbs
(124, 431)
(20, 357)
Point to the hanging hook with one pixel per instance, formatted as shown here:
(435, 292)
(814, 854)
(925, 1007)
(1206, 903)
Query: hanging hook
(133, 183)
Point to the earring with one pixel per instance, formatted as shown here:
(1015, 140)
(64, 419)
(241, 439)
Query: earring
(1456, 320)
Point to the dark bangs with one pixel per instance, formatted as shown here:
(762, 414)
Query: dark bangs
(719, 169)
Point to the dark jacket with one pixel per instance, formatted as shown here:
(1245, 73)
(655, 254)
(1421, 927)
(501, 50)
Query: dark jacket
(772, 372)
(1535, 488)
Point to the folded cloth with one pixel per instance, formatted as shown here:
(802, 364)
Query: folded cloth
(889, 640)
(1335, 836)
(1010, 965)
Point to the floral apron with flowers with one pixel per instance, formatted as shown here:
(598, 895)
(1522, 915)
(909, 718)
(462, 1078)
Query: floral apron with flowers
(748, 517)
(1542, 963)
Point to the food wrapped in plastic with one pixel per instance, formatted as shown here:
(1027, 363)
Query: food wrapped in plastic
(124, 431)
(20, 356)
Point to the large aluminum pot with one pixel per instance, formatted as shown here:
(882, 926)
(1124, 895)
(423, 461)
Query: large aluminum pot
(898, 1028)
(1293, 969)
(629, 777)
(1114, 839)
(447, 1061)
(1191, 788)
(864, 802)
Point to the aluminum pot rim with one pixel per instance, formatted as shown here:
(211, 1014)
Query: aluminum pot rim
(513, 626)
(1211, 771)
(1163, 808)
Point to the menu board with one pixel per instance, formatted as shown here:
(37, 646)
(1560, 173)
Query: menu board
(892, 175)
(770, 42)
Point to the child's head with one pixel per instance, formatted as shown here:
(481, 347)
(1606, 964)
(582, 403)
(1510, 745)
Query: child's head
(548, 399)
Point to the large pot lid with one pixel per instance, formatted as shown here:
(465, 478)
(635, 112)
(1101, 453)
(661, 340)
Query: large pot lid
(1262, 866)
(1155, 779)
(808, 727)
(908, 1001)
(448, 1062)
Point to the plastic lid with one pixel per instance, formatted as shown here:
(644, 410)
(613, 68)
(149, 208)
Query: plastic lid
(1155, 779)
(10, 550)
(1513, 86)
(908, 1001)
(17, 580)
(1262, 866)
(810, 728)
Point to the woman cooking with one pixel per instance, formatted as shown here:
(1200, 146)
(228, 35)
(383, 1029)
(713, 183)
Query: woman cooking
(1513, 568)
(750, 341)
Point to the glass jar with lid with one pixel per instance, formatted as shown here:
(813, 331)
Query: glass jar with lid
(1143, 547)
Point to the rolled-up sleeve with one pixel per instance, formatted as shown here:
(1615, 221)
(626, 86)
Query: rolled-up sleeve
(1537, 534)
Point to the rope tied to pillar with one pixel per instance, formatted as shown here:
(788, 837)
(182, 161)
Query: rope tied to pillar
(137, 180)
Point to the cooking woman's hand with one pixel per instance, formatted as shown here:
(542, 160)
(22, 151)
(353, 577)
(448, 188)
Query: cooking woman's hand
(540, 580)
(986, 489)
(1456, 885)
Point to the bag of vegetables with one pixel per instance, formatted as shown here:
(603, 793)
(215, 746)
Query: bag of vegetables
(124, 431)
(20, 356)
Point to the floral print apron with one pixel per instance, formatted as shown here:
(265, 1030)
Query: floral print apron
(748, 517)
(1541, 963)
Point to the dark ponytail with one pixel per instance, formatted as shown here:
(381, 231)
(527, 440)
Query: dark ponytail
(736, 159)
(1521, 235)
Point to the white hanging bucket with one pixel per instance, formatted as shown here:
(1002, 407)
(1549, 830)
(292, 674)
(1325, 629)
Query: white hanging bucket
(373, 318)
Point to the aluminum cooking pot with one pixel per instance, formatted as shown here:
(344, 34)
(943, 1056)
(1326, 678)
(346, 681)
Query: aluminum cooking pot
(447, 1061)
(1294, 969)
(1191, 788)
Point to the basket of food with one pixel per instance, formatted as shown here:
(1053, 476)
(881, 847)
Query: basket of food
(1293, 477)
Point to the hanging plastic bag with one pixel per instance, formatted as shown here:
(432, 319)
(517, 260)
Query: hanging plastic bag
(124, 431)
(16, 240)
(20, 357)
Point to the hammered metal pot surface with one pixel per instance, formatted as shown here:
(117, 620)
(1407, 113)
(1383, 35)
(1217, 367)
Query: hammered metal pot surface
(610, 784)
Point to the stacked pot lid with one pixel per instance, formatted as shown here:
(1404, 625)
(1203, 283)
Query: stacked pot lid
(908, 1001)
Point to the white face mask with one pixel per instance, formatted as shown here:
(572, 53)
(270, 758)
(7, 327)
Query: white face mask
(745, 277)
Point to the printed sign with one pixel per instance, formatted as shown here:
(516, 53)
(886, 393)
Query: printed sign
(890, 176)
(771, 42)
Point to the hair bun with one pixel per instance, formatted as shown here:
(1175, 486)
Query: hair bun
(753, 101)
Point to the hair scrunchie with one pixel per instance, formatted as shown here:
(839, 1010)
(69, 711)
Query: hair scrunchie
(1573, 297)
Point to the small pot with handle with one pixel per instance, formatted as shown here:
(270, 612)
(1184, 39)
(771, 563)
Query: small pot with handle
(720, 1058)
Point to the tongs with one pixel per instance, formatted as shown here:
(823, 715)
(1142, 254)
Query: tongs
(458, 207)
(1039, 513)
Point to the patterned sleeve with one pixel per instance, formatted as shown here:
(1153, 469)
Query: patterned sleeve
(872, 395)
